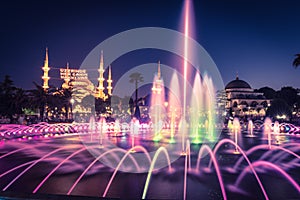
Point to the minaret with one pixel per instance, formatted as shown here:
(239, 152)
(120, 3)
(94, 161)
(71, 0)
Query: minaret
(46, 69)
(67, 77)
(100, 88)
(109, 81)
(158, 71)
(157, 84)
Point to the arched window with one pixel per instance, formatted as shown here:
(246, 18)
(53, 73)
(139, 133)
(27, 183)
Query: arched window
(244, 103)
(264, 104)
(245, 109)
(234, 104)
(254, 104)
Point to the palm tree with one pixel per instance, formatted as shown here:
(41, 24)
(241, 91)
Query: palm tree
(62, 99)
(296, 62)
(55, 102)
(67, 96)
(7, 93)
(19, 101)
(39, 99)
(136, 78)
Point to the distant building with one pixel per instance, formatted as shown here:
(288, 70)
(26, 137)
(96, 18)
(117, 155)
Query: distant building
(242, 101)
(79, 77)
(82, 89)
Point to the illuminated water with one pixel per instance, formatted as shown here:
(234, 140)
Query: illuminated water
(61, 164)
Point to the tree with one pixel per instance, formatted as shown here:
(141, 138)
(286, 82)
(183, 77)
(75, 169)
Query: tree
(131, 106)
(288, 94)
(101, 105)
(136, 78)
(268, 92)
(279, 107)
(65, 99)
(38, 98)
(296, 61)
(19, 101)
(7, 93)
(137, 112)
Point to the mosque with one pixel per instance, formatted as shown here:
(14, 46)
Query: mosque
(73, 77)
(77, 80)
(243, 101)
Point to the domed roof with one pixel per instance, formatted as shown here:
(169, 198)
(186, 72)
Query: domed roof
(237, 83)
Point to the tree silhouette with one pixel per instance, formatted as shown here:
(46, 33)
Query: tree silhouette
(39, 99)
(268, 92)
(288, 94)
(296, 62)
(7, 93)
(131, 106)
(279, 107)
(19, 101)
(65, 96)
(136, 78)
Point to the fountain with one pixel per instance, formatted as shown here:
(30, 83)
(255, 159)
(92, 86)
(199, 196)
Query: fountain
(250, 129)
(196, 111)
(237, 132)
(268, 130)
(157, 109)
(174, 113)
(102, 130)
(134, 130)
(61, 162)
(185, 66)
(276, 128)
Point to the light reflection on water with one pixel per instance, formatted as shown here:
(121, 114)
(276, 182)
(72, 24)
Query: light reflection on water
(130, 185)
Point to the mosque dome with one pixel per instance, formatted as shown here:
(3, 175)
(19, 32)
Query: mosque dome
(237, 84)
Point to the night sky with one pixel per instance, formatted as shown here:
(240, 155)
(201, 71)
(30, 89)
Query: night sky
(257, 39)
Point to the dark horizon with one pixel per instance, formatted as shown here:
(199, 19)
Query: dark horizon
(256, 39)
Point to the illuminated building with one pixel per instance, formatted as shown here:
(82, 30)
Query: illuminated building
(100, 89)
(78, 82)
(67, 78)
(243, 101)
(158, 82)
(100, 93)
(109, 82)
(79, 78)
(46, 69)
